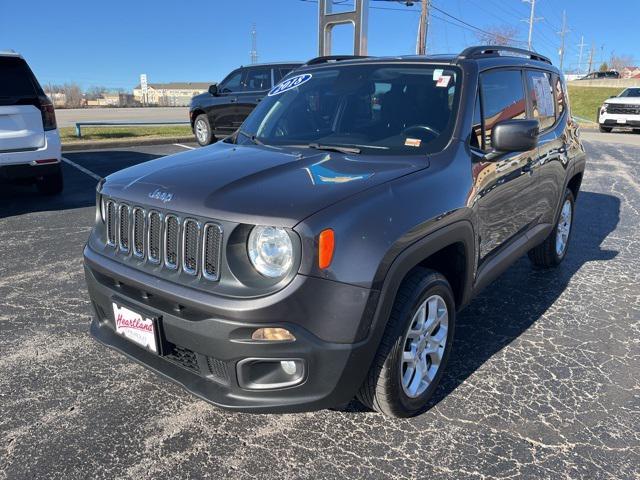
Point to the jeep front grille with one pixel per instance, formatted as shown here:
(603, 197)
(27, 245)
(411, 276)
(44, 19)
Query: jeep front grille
(138, 232)
(211, 251)
(155, 234)
(123, 228)
(163, 239)
(171, 241)
(111, 223)
(190, 240)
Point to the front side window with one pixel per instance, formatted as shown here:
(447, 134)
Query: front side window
(383, 109)
(233, 83)
(541, 99)
(503, 98)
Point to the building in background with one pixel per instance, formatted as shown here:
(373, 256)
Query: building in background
(173, 94)
(116, 99)
(630, 72)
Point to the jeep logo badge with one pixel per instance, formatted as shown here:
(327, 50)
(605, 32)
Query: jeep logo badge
(158, 194)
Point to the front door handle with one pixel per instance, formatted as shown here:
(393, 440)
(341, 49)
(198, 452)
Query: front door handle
(233, 100)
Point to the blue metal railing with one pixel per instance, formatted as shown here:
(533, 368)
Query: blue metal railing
(79, 125)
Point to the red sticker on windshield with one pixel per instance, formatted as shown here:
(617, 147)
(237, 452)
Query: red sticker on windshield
(443, 81)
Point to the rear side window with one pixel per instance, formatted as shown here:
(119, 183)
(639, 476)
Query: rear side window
(502, 98)
(16, 80)
(561, 102)
(541, 98)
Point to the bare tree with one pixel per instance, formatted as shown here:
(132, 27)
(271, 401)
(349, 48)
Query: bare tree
(95, 92)
(618, 62)
(499, 35)
(73, 95)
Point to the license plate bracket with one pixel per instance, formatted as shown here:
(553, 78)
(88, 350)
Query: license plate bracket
(137, 327)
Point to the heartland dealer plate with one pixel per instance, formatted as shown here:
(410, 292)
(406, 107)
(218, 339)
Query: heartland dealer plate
(135, 327)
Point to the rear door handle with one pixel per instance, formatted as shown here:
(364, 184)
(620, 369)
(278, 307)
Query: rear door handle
(233, 100)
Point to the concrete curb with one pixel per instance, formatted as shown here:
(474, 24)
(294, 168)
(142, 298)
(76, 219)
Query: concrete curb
(130, 142)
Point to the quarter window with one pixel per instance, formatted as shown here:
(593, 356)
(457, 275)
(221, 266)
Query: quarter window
(503, 98)
(541, 98)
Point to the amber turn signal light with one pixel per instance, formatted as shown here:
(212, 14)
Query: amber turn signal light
(273, 334)
(326, 244)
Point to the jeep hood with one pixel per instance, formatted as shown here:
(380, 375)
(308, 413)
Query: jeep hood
(254, 184)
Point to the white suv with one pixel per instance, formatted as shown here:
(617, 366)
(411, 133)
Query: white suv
(621, 111)
(29, 140)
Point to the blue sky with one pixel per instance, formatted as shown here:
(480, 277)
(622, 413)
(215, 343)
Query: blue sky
(111, 43)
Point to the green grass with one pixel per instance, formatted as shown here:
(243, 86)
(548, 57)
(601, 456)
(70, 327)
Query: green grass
(68, 134)
(585, 101)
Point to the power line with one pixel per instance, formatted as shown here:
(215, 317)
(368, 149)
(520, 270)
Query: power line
(532, 20)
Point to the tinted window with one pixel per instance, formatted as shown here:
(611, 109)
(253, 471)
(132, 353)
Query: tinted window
(561, 103)
(476, 127)
(284, 71)
(542, 102)
(15, 79)
(232, 83)
(378, 108)
(503, 98)
(258, 79)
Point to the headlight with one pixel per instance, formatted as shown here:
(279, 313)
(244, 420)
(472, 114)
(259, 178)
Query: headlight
(604, 107)
(270, 251)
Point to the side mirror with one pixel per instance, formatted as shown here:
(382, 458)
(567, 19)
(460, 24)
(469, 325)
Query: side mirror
(213, 89)
(515, 135)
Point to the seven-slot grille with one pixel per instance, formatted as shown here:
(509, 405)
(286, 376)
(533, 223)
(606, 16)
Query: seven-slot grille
(164, 239)
(624, 109)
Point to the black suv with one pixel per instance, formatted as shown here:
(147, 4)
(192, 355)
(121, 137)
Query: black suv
(220, 111)
(323, 250)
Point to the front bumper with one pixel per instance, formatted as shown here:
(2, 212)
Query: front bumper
(201, 347)
(619, 120)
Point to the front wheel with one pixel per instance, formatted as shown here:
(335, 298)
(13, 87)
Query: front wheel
(414, 349)
(554, 248)
(202, 130)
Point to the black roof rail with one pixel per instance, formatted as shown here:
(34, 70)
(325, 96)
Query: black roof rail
(494, 51)
(332, 58)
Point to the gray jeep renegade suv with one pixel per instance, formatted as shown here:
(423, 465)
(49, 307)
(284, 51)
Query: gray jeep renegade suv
(321, 252)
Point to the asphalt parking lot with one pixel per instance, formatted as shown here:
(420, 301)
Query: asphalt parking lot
(543, 383)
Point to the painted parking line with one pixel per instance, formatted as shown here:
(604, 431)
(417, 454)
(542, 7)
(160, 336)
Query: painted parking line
(184, 146)
(82, 169)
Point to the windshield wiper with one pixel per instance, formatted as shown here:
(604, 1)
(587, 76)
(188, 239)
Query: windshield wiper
(334, 148)
(250, 137)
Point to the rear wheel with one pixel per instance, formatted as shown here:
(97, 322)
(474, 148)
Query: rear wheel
(553, 250)
(414, 349)
(51, 184)
(202, 130)
(604, 129)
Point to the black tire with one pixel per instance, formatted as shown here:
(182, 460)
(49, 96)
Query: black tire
(605, 129)
(382, 389)
(546, 255)
(51, 184)
(202, 130)
(636, 130)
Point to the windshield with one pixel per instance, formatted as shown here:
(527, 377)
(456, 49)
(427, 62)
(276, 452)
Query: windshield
(631, 92)
(375, 109)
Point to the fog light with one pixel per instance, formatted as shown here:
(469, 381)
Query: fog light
(288, 366)
(273, 334)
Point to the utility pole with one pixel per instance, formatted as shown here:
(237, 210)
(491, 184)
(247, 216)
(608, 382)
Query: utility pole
(532, 20)
(254, 45)
(421, 44)
(591, 60)
(562, 34)
(581, 45)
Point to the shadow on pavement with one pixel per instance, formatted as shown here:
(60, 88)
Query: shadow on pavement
(79, 188)
(516, 300)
